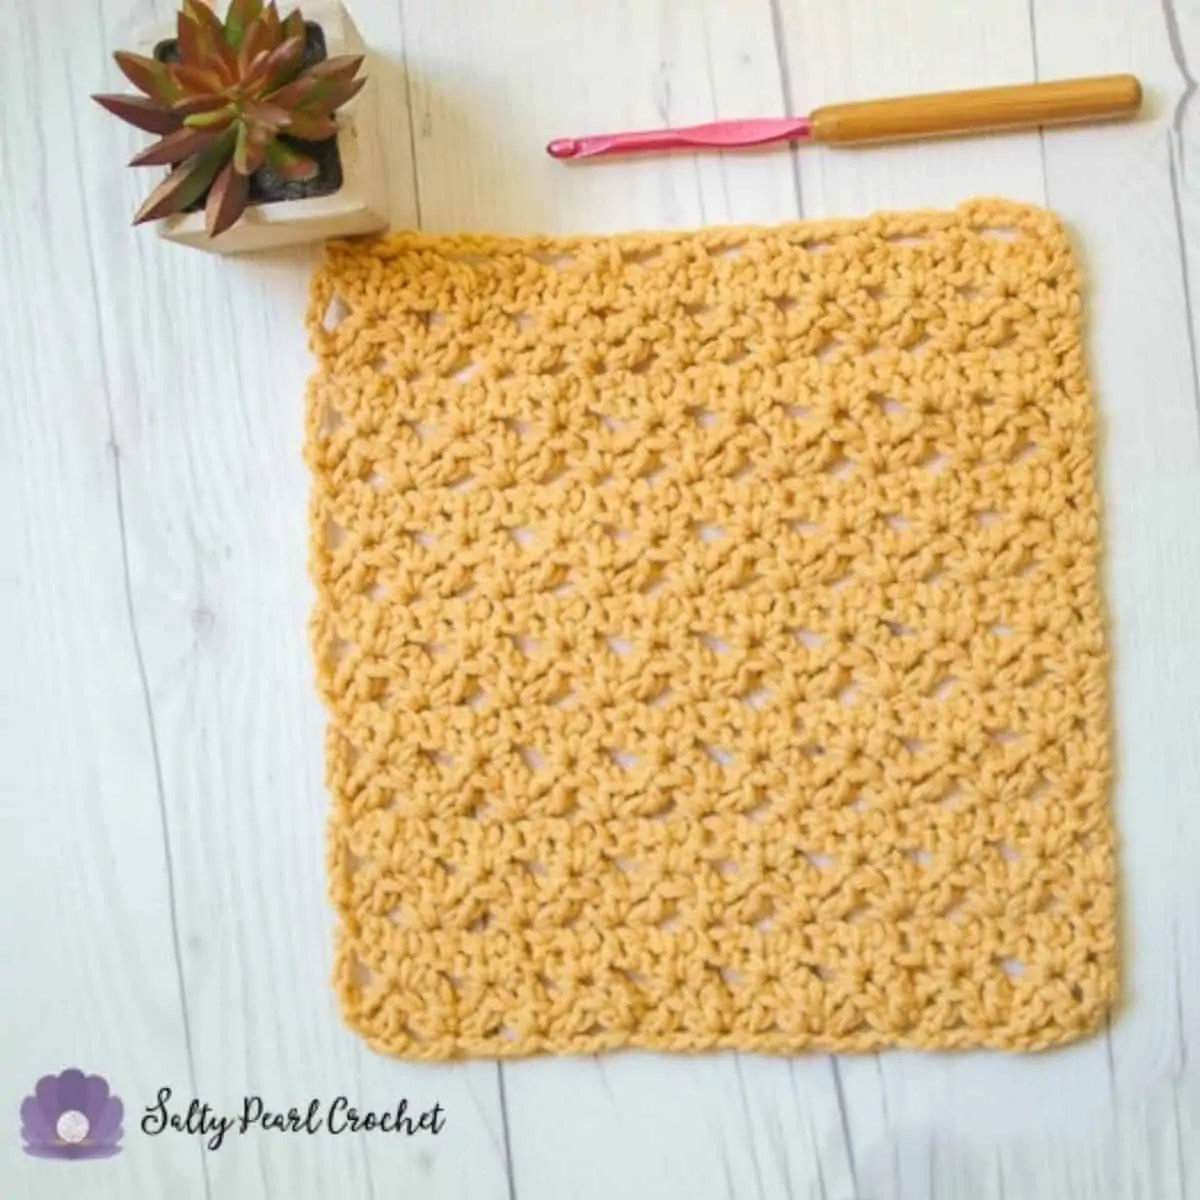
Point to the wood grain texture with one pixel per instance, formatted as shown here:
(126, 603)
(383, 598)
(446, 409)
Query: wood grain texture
(978, 110)
(161, 825)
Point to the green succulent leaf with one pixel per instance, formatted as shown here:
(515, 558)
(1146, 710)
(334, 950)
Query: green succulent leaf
(289, 163)
(327, 98)
(293, 25)
(333, 70)
(323, 97)
(225, 71)
(257, 41)
(201, 13)
(321, 93)
(283, 63)
(141, 112)
(188, 34)
(197, 80)
(311, 87)
(309, 127)
(147, 75)
(199, 111)
(212, 48)
(273, 25)
(249, 152)
(188, 182)
(176, 147)
(226, 200)
(293, 94)
(200, 36)
(263, 112)
(254, 80)
(222, 118)
(238, 18)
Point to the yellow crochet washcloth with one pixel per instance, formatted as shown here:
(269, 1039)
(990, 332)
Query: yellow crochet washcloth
(710, 629)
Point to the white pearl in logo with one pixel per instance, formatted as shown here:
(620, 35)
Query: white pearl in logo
(72, 1126)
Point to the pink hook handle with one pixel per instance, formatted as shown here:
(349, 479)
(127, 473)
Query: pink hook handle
(719, 135)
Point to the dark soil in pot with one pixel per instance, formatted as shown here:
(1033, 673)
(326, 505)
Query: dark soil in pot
(267, 187)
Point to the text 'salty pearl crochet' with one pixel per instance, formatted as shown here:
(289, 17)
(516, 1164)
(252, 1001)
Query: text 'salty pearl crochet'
(711, 637)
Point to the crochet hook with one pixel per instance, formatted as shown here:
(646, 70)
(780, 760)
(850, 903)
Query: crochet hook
(938, 114)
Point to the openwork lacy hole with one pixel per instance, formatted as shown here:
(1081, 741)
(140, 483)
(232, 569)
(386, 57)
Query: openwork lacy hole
(909, 240)
(336, 311)
(804, 528)
(553, 258)
(719, 754)
(338, 649)
(333, 534)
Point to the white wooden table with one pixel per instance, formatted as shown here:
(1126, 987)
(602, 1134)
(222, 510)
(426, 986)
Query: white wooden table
(163, 918)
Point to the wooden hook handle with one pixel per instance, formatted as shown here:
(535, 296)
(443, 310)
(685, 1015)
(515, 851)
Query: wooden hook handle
(940, 114)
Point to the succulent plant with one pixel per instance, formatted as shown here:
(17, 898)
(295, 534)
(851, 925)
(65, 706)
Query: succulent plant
(229, 105)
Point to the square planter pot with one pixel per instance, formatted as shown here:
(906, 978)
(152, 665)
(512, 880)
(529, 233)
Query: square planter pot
(359, 205)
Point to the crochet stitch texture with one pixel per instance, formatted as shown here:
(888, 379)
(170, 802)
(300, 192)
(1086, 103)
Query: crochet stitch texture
(710, 630)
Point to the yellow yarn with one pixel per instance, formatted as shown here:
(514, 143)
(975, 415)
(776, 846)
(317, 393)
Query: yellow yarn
(710, 630)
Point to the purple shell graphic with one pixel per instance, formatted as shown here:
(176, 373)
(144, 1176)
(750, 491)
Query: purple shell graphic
(72, 1115)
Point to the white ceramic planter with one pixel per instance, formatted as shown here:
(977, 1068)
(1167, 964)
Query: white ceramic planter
(358, 206)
